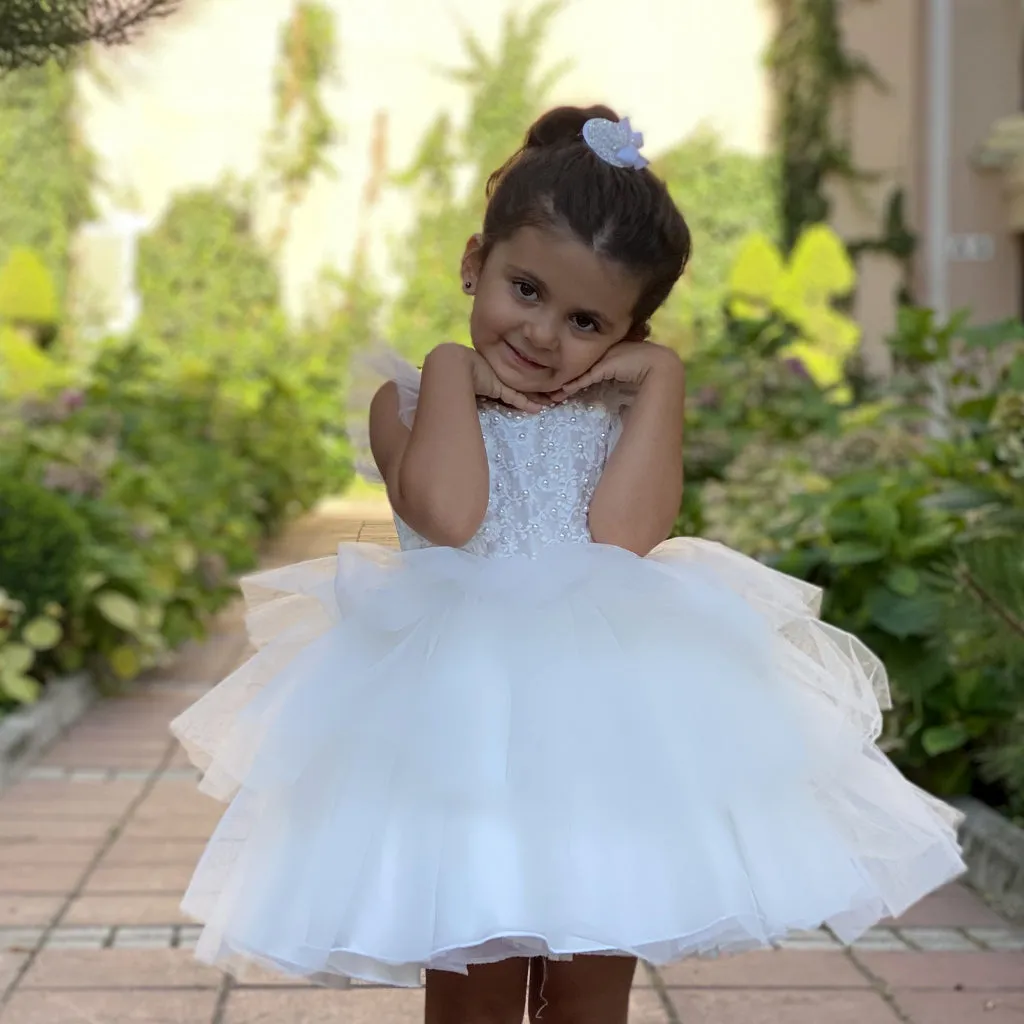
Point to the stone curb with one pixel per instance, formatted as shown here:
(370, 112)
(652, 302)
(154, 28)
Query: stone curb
(27, 732)
(994, 851)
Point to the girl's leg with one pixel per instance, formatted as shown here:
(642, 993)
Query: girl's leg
(584, 990)
(489, 994)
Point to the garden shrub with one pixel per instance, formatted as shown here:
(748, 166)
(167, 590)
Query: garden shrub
(41, 545)
(917, 539)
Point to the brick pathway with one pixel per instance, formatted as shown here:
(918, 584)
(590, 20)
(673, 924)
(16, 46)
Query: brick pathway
(97, 843)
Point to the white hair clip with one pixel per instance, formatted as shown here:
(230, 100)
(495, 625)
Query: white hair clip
(615, 142)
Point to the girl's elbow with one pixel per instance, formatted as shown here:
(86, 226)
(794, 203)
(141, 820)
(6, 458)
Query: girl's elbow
(639, 534)
(451, 530)
(441, 518)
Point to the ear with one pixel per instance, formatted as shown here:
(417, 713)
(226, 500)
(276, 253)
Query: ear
(472, 262)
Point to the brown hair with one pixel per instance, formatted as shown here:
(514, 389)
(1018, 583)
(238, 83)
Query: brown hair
(557, 181)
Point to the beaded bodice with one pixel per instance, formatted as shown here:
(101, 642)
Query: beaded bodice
(544, 469)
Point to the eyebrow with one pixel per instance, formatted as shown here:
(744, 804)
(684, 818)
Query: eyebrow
(592, 313)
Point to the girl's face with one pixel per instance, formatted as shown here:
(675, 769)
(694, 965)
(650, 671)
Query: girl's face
(546, 308)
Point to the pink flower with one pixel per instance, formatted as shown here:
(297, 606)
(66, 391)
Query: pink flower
(72, 399)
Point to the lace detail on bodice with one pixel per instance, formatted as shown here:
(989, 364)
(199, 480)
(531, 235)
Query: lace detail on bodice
(544, 469)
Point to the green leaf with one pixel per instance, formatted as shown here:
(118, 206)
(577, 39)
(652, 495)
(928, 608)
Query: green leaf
(853, 552)
(92, 581)
(1015, 374)
(797, 562)
(185, 556)
(18, 687)
(941, 739)
(903, 581)
(883, 516)
(42, 633)
(16, 657)
(903, 616)
(961, 498)
(930, 541)
(125, 662)
(119, 610)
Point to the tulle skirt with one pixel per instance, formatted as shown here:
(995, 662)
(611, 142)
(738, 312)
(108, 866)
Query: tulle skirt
(437, 760)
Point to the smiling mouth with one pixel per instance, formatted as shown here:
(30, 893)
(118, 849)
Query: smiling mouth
(531, 364)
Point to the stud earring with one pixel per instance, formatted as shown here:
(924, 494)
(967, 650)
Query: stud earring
(467, 286)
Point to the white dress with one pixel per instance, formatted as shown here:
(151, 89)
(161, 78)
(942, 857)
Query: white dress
(542, 746)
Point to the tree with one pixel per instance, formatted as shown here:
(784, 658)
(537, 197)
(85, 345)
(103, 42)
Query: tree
(32, 32)
(725, 196)
(507, 90)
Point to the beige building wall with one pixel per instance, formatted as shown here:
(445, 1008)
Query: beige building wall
(192, 100)
(988, 36)
(944, 92)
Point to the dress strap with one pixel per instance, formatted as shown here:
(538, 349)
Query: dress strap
(369, 370)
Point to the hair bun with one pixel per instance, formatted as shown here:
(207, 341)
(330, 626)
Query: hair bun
(563, 124)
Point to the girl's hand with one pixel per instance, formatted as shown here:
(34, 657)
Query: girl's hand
(487, 384)
(628, 362)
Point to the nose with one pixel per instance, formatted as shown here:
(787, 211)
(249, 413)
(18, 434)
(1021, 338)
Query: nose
(542, 330)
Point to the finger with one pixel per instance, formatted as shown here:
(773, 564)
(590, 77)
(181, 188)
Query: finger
(582, 383)
(519, 401)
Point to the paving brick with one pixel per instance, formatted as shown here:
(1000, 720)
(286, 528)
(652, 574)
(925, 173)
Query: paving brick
(27, 911)
(142, 909)
(23, 939)
(1010, 939)
(180, 826)
(65, 810)
(753, 1006)
(180, 759)
(137, 852)
(949, 971)
(110, 1007)
(119, 969)
(319, 1006)
(774, 969)
(49, 851)
(940, 940)
(881, 939)
(10, 965)
(40, 879)
(255, 976)
(79, 937)
(89, 774)
(39, 792)
(954, 906)
(169, 792)
(47, 772)
(144, 937)
(645, 1008)
(101, 755)
(54, 828)
(962, 1007)
(813, 941)
(128, 878)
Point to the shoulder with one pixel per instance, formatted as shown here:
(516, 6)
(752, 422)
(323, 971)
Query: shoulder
(385, 400)
(388, 434)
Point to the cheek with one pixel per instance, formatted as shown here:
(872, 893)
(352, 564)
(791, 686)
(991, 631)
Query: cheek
(580, 354)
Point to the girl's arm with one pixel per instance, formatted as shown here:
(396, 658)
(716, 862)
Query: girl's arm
(436, 474)
(637, 500)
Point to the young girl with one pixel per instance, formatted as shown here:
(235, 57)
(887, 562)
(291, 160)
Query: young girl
(540, 741)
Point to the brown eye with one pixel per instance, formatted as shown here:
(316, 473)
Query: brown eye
(584, 323)
(524, 289)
